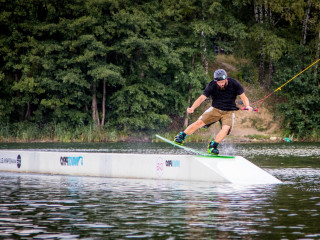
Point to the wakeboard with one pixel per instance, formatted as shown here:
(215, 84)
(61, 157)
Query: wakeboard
(195, 151)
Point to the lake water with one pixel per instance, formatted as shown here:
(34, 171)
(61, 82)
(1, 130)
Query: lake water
(35, 206)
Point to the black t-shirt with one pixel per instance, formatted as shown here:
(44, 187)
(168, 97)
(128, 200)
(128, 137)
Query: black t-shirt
(224, 99)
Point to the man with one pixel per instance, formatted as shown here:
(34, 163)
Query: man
(224, 91)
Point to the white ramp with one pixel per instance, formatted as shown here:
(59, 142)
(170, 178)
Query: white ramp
(150, 166)
(239, 170)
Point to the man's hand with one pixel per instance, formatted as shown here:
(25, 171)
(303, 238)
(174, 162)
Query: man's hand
(190, 110)
(246, 103)
(250, 109)
(196, 103)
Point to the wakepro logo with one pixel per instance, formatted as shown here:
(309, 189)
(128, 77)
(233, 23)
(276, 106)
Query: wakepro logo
(172, 163)
(11, 161)
(162, 164)
(71, 161)
(19, 161)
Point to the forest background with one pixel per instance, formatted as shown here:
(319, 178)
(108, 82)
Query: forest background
(101, 70)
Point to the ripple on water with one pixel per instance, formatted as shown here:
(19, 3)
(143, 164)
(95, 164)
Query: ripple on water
(65, 207)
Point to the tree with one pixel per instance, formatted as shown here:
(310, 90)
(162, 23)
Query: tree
(191, 84)
(17, 19)
(148, 59)
(137, 65)
(300, 111)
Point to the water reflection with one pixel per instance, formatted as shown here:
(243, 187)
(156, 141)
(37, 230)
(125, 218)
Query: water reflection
(46, 207)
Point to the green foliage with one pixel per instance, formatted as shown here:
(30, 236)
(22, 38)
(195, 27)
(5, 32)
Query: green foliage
(301, 111)
(61, 132)
(258, 137)
(142, 61)
(189, 85)
(246, 72)
(142, 106)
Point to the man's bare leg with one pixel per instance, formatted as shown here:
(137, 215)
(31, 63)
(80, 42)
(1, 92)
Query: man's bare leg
(222, 134)
(194, 127)
(213, 145)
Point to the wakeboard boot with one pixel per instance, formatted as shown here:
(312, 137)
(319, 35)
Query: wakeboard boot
(213, 148)
(179, 139)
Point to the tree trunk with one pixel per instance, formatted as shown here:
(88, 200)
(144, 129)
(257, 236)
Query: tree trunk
(305, 24)
(317, 57)
(104, 102)
(261, 14)
(95, 112)
(28, 111)
(266, 9)
(186, 115)
(256, 12)
(269, 80)
(186, 119)
(261, 67)
(204, 56)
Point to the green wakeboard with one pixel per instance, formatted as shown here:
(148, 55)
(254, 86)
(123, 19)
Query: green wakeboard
(200, 153)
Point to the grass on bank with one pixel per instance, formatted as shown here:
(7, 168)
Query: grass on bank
(31, 132)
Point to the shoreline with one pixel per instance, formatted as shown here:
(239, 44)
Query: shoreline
(155, 140)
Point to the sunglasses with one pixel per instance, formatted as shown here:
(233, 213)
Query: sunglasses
(218, 79)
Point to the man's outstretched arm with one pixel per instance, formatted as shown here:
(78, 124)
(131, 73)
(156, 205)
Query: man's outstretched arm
(196, 103)
(245, 101)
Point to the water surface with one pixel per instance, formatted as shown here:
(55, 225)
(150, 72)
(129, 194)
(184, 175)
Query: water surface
(34, 206)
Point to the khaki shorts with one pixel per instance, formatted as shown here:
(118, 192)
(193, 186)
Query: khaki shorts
(213, 115)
